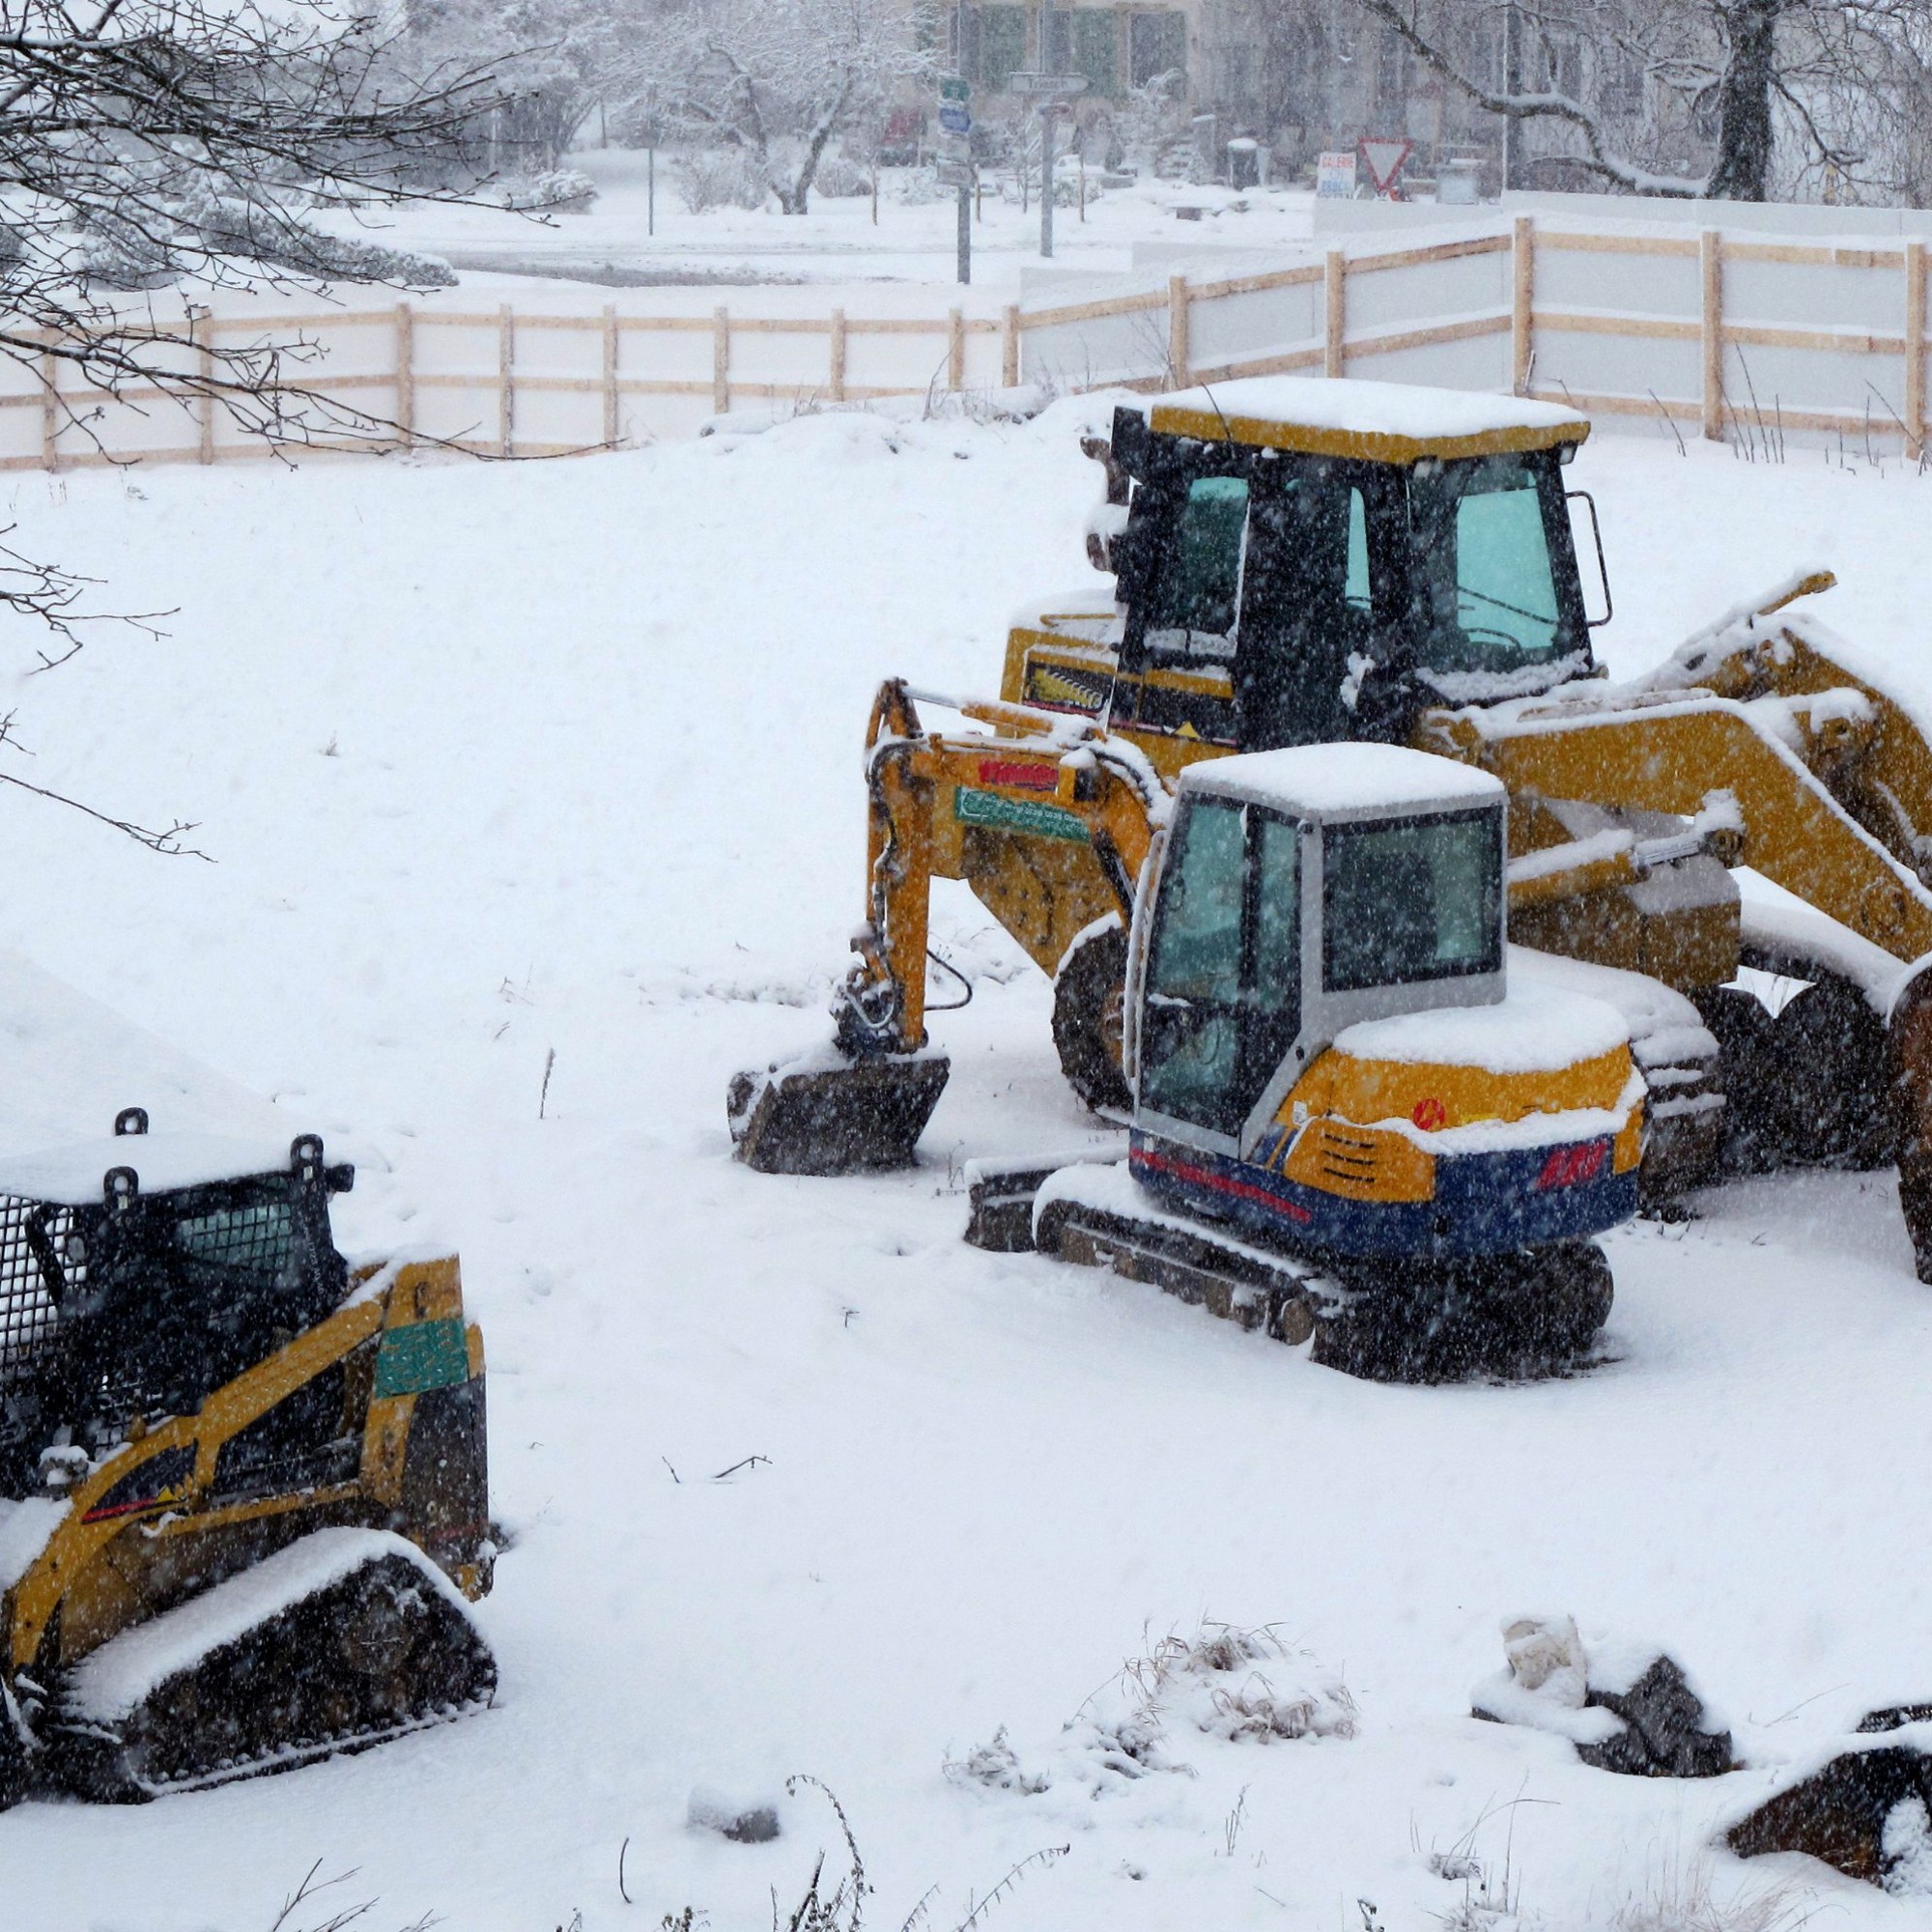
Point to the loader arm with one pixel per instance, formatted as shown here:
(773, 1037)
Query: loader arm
(1832, 780)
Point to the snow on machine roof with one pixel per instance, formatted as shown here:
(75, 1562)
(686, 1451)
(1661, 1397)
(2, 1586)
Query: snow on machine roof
(73, 1176)
(1345, 780)
(1373, 422)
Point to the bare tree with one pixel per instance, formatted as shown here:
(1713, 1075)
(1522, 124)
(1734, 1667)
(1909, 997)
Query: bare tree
(778, 79)
(145, 143)
(1831, 85)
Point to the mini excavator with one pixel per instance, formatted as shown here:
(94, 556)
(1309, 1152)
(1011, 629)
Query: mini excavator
(1310, 562)
(243, 1493)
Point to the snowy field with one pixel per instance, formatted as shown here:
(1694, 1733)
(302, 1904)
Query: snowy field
(500, 763)
(837, 241)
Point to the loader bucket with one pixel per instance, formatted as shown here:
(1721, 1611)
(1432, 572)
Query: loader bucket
(824, 1114)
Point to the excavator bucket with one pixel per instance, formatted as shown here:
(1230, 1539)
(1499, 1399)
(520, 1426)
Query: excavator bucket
(825, 1114)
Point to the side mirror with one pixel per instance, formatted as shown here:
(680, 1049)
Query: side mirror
(1589, 502)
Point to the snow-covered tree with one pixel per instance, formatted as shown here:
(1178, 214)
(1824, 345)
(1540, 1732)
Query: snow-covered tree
(777, 78)
(1775, 93)
(144, 142)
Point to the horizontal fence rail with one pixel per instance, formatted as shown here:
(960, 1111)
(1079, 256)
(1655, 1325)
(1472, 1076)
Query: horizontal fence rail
(1743, 337)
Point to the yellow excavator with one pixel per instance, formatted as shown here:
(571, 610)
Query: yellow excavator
(243, 1489)
(1310, 562)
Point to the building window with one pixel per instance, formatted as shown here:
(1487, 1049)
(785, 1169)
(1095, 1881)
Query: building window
(1158, 45)
(1000, 35)
(1095, 50)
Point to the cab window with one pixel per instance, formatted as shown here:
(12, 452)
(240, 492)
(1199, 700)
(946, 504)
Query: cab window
(1196, 605)
(1492, 598)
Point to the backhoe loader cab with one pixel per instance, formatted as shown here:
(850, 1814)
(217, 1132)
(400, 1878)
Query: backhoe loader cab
(1302, 561)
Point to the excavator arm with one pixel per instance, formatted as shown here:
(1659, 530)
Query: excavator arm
(1049, 821)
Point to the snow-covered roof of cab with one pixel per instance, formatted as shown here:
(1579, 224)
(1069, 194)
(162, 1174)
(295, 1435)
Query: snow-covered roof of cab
(73, 1176)
(1373, 422)
(1345, 780)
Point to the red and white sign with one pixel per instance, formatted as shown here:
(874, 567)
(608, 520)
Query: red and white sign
(1335, 176)
(1384, 162)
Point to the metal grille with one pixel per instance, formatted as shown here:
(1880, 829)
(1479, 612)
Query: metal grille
(255, 1241)
(33, 1257)
(1349, 1160)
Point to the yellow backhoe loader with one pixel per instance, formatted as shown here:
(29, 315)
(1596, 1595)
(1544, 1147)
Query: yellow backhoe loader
(1302, 562)
(243, 1497)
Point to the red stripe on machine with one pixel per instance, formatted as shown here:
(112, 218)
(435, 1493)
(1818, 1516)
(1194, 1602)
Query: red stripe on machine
(1202, 1177)
(1030, 777)
(1569, 1166)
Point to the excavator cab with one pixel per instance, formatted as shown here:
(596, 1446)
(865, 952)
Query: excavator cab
(1295, 565)
(1320, 1015)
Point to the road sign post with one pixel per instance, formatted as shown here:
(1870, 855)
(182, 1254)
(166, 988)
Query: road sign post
(955, 159)
(1053, 91)
(1385, 160)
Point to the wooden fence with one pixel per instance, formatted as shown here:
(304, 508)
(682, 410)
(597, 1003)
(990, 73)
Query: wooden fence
(1617, 323)
(1880, 359)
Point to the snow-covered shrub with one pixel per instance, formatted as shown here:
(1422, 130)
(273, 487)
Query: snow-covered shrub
(567, 190)
(719, 178)
(997, 1767)
(1684, 1897)
(839, 178)
(1242, 1685)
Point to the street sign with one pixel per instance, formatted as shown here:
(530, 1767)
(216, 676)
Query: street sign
(954, 174)
(1046, 86)
(955, 119)
(1384, 162)
(1335, 176)
(954, 89)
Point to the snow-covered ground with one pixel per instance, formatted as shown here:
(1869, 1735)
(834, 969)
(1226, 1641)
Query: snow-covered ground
(837, 241)
(495, 763)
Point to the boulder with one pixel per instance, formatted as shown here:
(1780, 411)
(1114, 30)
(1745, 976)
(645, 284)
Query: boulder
(1627, 1709)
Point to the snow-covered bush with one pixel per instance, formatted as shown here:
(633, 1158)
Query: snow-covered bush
(1241, 1686)
(568, 190)
(719, 178)
(181, 229)
(842, 178)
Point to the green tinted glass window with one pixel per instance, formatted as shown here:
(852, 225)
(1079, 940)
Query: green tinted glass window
(1196, 605)
(1483, 558)
(1191, 1043)
(1355, 592)
(1412, 899)
(1277, 969)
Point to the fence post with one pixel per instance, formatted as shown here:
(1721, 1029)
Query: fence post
(1523, 305)
(405, 372)
(197, 333)
(506, 380)
(49, 404)
(1915, 351)
(1711, 259)
(1178, 352)
(612, 423)
(1335, 301)
(837, 355)
(1010, 345)
(720, 360)
(955, 349)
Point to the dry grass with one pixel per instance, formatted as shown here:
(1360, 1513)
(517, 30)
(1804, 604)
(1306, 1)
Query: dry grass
(1683, 1895)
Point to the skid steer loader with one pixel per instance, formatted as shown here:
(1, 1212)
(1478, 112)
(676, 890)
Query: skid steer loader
(242, 1488)
(1306, 561)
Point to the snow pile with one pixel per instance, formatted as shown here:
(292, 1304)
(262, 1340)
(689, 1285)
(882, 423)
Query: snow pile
(1533, 1029)
(1344, 777)
(1239, 1685)
(107, 1684)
